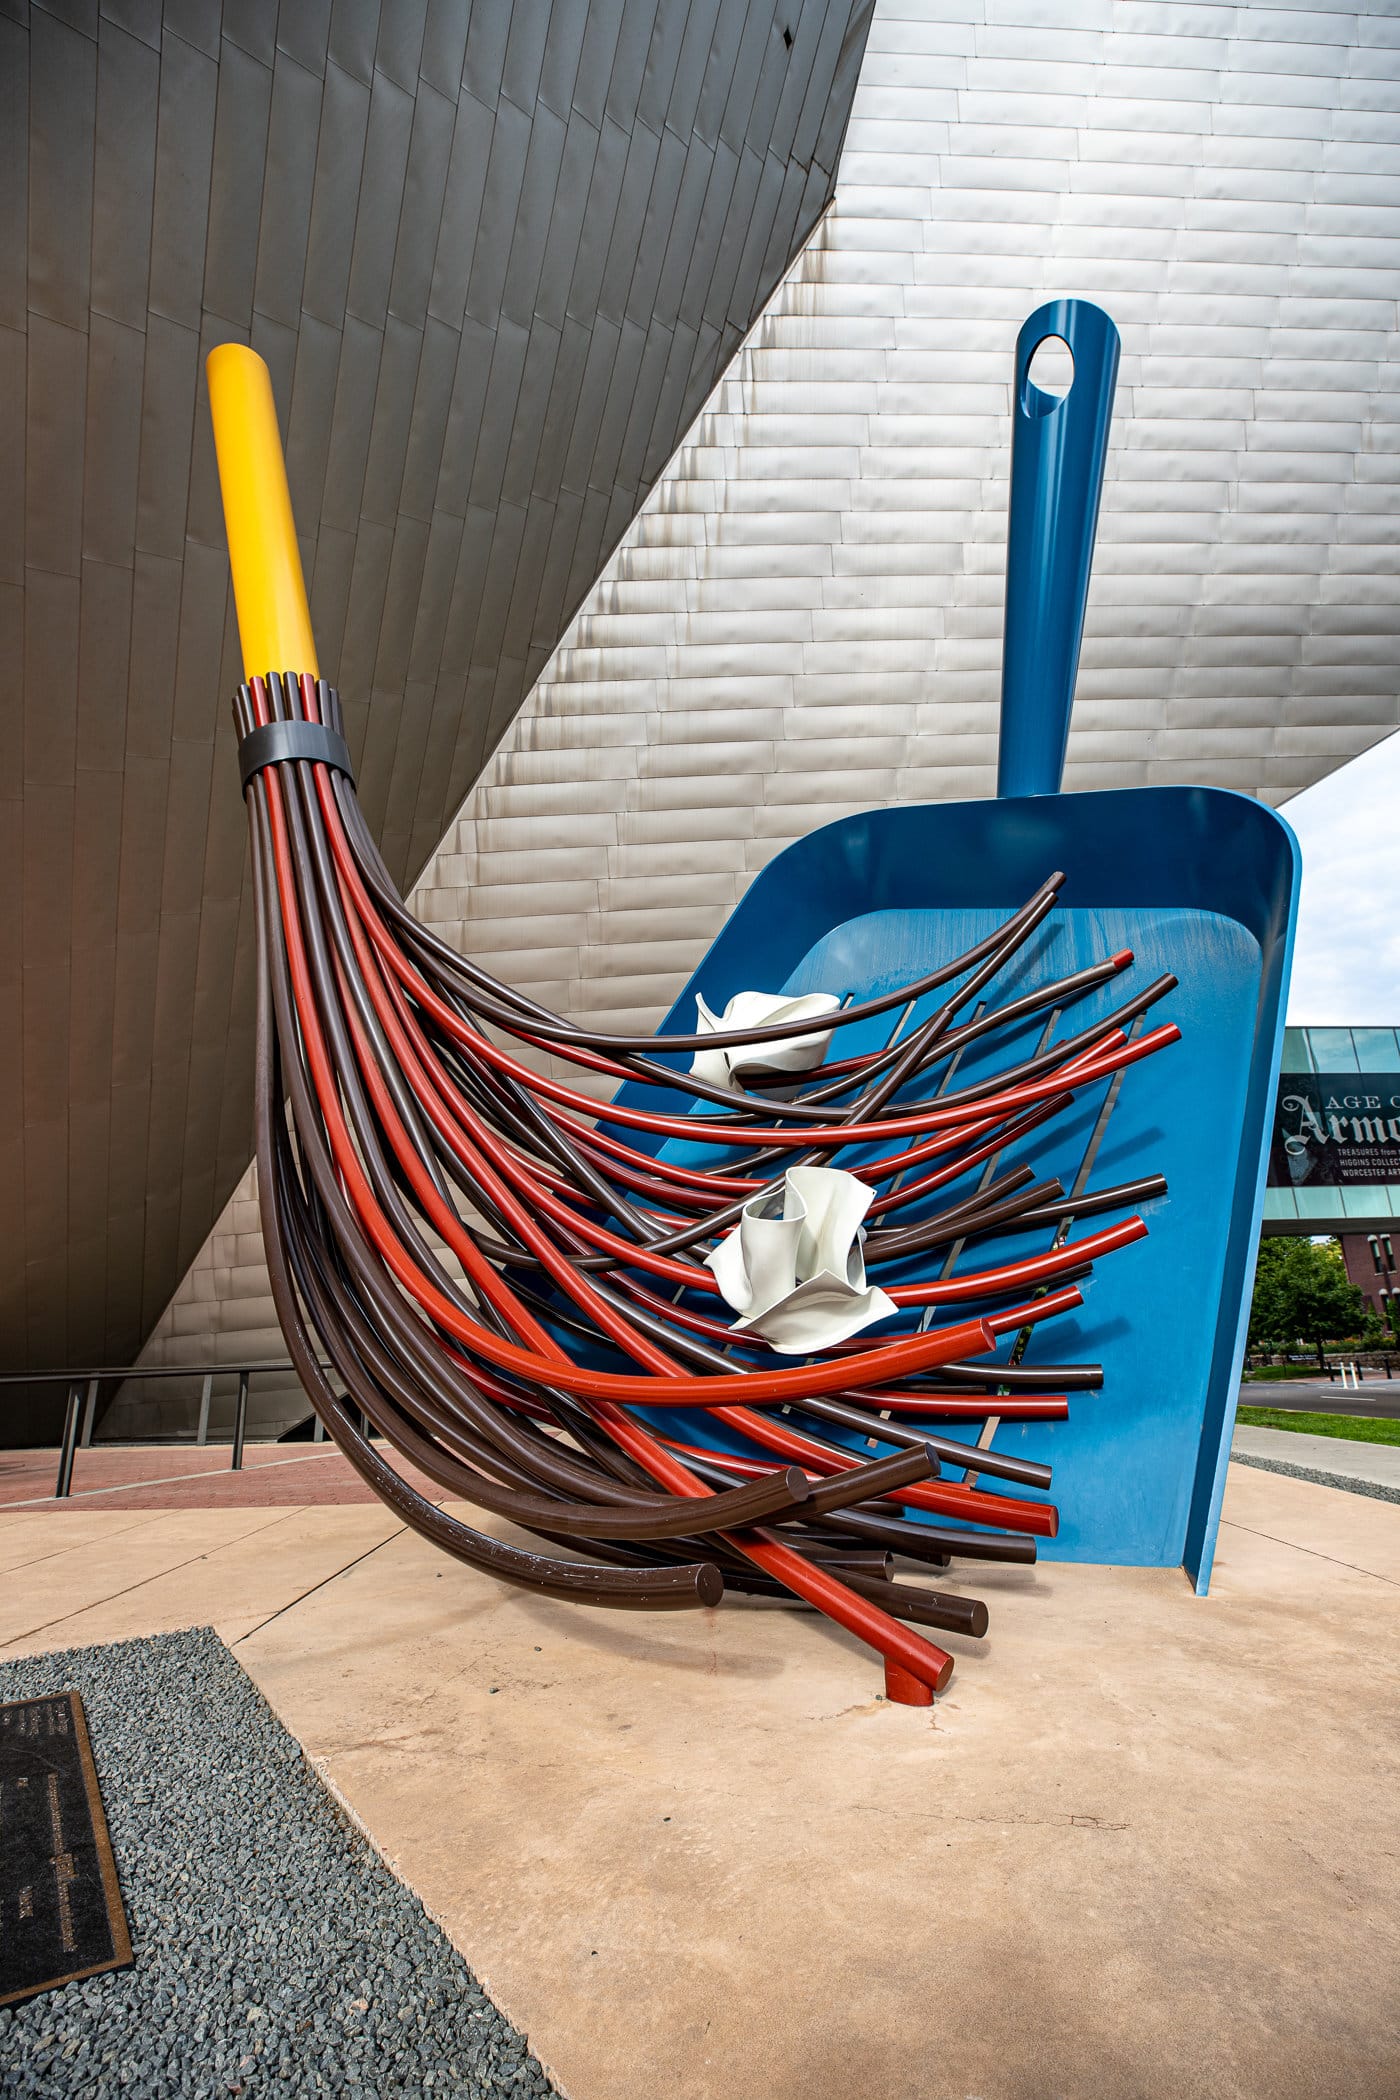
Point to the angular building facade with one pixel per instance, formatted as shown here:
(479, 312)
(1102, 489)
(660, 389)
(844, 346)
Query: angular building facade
(803, 617)
(496, 257)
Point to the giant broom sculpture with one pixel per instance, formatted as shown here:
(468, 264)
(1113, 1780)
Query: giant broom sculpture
(509, 1282)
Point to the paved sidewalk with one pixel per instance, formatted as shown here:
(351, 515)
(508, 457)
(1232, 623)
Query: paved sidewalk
(1330, 1461)
(1145, 1845)
(192, 1476)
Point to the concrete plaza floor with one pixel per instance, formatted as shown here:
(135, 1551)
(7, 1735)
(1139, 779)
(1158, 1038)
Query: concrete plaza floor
(1148, 1845)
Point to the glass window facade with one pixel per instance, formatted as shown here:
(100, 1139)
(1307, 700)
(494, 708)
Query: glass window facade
(1322, 1209)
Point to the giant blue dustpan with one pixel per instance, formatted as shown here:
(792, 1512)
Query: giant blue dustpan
(1197, 881)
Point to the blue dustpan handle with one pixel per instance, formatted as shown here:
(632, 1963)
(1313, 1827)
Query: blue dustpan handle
(1058, 448)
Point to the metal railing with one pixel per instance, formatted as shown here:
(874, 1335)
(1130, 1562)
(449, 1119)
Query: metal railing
(83, 1387)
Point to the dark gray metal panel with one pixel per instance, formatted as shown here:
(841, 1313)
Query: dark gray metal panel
(662, 61)
(830, 104)
(595, 64)
(45, 909)
(313, 403)
(780, 233)
(361, 348)
(328, 578)
(461, 210)
(287, 190)
(487, 35)
(81, 15)
(196, 21)
(742, 202)
(566, 219)
(617, 403)
(498, 414)
(14, 350)
(400, 44)
(809, 32)
(444, 46)
(568, 24)
(303, 29)
(567, 379)
(189, 88)
(670, 402)
(714, 218)
(524, 56)
(112, 439)
(640, 301)
(434, 599)
(449, 706)
(340, 152)
(535, 205)
(54, 493)
(679, 252)
(139, 18)
(128, 93)
(638, 173)
(381, 198)
(760, 35)
(505, 173)
(536, 384)
(641, 409)
(749, 281)
(167, 429)
(463, 238)
(353, 34)
(410, 708)
(242, 116)
(720, 61)
(593, 394)
(630, 61)
(62, 139)
(432, 399)
(11, 783)
(420, 220)
(692, 61)
(393, 413)
(773, 76)
(14, 175)
(400, 601)
(104, 639)
(529, 574)
(252, 24)
(604, 190)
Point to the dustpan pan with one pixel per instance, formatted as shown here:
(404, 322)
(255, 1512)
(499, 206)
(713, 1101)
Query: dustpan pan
(1199, 882)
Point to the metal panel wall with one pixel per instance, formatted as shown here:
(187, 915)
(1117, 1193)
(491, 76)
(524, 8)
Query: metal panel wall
(496, 256)
(805, 618)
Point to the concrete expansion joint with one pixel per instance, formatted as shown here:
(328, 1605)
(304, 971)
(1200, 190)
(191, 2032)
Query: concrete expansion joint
(1066, 1820)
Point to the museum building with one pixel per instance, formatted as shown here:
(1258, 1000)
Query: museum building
(644, 390)
(655, 656)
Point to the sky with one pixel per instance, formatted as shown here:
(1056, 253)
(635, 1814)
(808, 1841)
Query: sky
(1346, 967)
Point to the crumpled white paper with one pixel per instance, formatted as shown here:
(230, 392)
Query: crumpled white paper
(793, 1266)
(759, 1010)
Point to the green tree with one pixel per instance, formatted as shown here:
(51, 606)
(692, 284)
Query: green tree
(1301, 1294)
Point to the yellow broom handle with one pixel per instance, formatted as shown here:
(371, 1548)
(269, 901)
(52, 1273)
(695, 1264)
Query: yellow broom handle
(274, 621)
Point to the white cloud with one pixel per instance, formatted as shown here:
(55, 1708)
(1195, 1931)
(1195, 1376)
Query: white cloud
(1346, 967)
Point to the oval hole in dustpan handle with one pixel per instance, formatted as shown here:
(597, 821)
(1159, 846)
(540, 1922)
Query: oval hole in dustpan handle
(1058, 448)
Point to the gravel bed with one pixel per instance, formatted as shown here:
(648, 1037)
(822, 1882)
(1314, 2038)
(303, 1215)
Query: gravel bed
(1378, 1490)
(275, 1952)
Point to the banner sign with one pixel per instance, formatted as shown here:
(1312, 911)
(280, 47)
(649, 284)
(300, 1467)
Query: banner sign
(1333, 1129)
